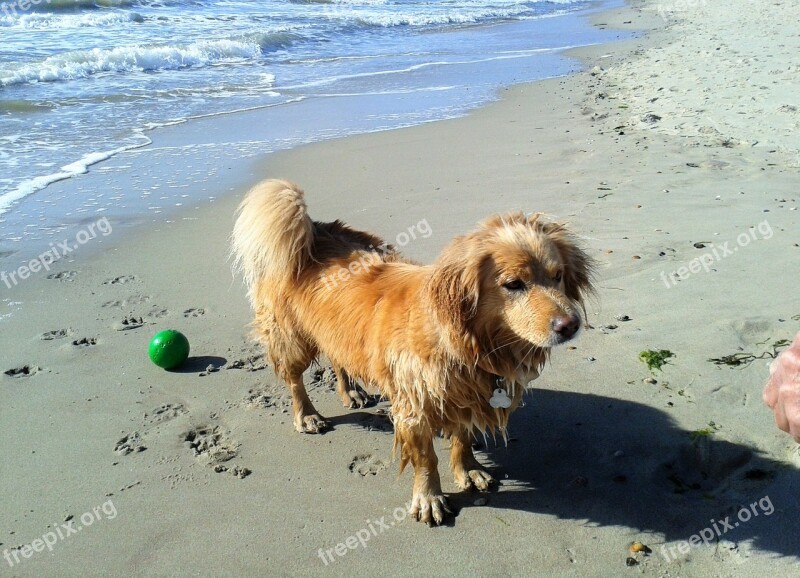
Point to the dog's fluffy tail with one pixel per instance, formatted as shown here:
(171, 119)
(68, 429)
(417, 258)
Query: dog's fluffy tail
(273, 234)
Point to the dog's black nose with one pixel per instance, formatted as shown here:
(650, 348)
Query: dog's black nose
(566, 326)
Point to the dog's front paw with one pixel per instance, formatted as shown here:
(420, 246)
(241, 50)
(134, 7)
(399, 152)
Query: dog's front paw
(311, 424)
(429, 508)
(474, 478)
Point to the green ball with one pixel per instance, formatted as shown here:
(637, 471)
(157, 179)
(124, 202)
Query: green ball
(169, 349)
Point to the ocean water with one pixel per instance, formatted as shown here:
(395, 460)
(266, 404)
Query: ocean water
(90, 89)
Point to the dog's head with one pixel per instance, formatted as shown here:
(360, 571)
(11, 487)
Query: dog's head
(510, 290)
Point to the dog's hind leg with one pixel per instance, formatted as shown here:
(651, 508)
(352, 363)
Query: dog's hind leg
(291, 355)
(467, 472)
(353, 395)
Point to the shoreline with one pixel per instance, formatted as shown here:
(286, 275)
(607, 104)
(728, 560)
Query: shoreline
(179, 159)
(604, 453)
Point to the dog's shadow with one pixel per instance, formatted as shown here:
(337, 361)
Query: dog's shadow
(372, 417)
(609, 462)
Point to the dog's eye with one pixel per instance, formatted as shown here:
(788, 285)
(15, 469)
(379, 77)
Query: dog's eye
(558, 276)
(514, 285)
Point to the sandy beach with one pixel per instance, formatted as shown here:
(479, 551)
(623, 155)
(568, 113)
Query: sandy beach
(674, 157)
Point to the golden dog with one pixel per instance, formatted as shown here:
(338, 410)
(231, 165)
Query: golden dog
(452, 345)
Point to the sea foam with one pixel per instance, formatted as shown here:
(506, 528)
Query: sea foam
(85, 63)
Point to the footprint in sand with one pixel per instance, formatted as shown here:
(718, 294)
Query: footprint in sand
(214, 447)
(706, 466)
(132, 300)
(210, 444)
(236, 471)
(129, 443)
(55, 334)
(24, 371)
(85, 342)
(251, 363)
(197, 312)
(753, 330)
(129, 323)
(63, 275)
(366, 464)
(164, 413)
(157, 312)
(264, 399)
(120, 280)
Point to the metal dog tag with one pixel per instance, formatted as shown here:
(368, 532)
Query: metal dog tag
(500, 399)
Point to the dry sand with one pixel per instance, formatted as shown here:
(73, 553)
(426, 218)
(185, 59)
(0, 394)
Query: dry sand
(200, 473)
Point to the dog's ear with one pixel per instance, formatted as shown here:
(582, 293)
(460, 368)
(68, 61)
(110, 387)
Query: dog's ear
(578, 266)
(453, 290)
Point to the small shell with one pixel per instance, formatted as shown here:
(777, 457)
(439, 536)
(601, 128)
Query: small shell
(639, 547)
